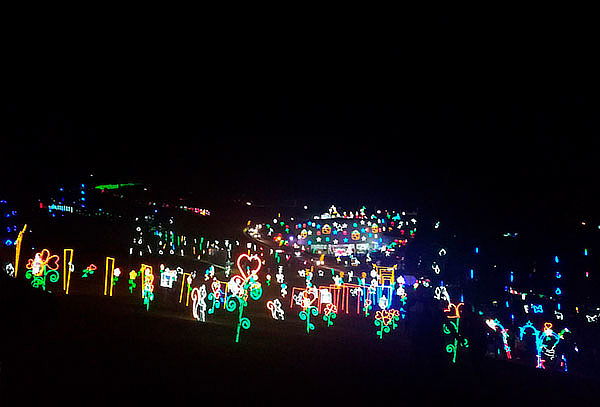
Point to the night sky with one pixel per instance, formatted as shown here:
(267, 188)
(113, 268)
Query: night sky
(432, 122)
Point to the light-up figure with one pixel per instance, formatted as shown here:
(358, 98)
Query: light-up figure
(242, 286)
(42, 266)
(10, 270)
(452, 330)
(116, 274)
(132, 284)
(496, 326)
(329, 314)
(545, 341)
(89, 270)
(309, 296)
(148, 289)
(215, 295)
(199, 303)
(276, 311)
(384, 318)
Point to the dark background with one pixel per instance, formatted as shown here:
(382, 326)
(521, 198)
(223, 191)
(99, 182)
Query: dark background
(486, 121)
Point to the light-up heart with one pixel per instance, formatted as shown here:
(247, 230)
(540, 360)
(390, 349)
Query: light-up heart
(248, 265)
(309, 296)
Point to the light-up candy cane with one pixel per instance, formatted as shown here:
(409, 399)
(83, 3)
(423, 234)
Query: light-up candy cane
(545, 341)
(41, 266)
(495, 325)
(329, 314)
(241, 286)
(276, 311)
(383, 319)
(309, 296)
(199, 304)
(458, 341)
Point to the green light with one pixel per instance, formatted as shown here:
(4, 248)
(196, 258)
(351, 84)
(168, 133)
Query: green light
(114, 186)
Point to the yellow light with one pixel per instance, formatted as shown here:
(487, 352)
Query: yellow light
(143, 272)
(106, 273)
(18, 249)
(67, 269)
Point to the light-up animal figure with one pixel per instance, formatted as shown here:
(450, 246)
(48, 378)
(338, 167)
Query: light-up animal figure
(496, 326)
(199, 303)
(10, 270)
(276, 311)
(545, 342)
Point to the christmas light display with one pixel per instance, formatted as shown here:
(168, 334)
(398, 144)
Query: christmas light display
(132, 284)
(199, 303)
(147, 285)
(68, 268)
(452, 329)
(217, 295)
(168, 276)
(242, 286)
(309, 296)
(89, 270)
(545, 341)
(277, 312)
(496, 326)
(18, 243)
(329, 314)
(109, 275)
(10, 269)
(42, 267)
(186, 278)
(384, 318)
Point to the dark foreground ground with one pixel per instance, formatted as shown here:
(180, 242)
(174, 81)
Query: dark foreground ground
(85, 350)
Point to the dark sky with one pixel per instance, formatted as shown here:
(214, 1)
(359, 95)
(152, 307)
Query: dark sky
(440, 121)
